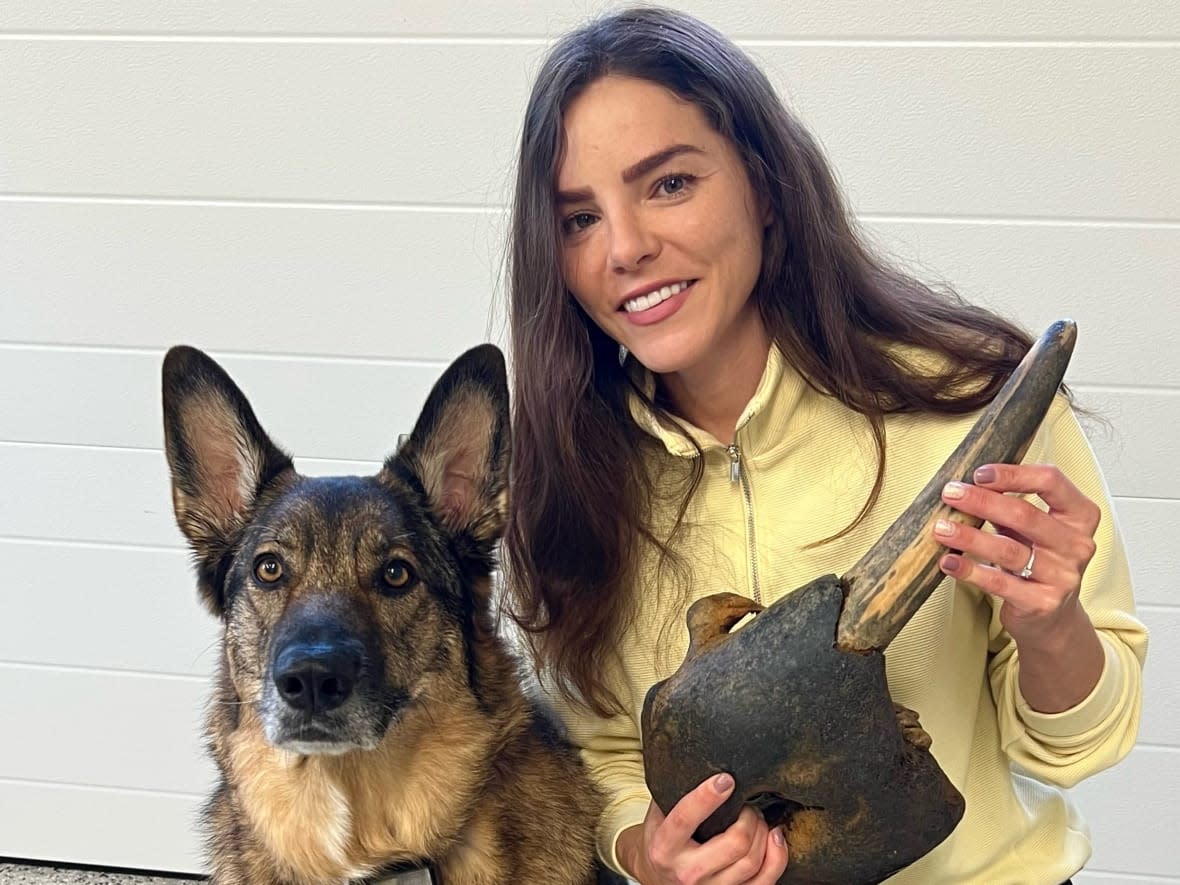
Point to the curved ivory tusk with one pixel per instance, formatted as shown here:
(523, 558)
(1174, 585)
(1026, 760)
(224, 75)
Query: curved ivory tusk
(896, 575)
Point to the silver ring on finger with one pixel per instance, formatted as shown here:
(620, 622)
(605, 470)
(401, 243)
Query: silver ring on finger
(1026, 572)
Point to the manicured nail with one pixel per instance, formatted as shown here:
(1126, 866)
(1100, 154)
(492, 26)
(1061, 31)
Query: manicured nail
(951, 564)
(954, 490)
(944, 527)
(985, 474)
(723, 783)
(779, 839)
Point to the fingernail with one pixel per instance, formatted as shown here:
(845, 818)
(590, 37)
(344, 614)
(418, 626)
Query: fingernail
(779, 839)
(944, 527)
(723, 783)
(954, 490)
(951, 564)
(985, 474)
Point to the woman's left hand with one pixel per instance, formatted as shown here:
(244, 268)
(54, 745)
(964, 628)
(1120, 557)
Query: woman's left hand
(1034, 562)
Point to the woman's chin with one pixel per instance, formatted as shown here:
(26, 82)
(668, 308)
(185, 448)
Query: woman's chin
(660, 362)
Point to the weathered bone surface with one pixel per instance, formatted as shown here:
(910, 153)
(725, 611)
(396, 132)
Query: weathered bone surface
(796, 705)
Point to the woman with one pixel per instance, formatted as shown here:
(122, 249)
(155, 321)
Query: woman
(718, 386)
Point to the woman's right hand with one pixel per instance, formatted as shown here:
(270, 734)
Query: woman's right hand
(663, 852)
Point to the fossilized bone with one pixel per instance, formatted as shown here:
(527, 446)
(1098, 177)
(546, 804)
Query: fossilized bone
(796, 706)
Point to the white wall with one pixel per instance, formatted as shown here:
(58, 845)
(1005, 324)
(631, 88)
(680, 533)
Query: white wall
(314, 193)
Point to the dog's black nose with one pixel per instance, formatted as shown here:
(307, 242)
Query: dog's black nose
(315, 678)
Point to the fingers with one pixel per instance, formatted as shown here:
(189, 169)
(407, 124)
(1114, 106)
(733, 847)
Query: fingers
(1034, 560)
(1066, 501)
(1071, 521)
(1009, 557)
(672, 852)
(1005, 551)
(1063, 538)
(690, 812)
(1007, 513)
(774, 862)
(1025, 595)
(747, 852)
(995, 564)
(735, 856)
(1046, 481)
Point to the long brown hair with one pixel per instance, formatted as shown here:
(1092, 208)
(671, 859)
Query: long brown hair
(838, 312)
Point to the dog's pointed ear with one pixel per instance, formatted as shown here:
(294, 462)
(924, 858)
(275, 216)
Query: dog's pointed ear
(460, 448)
(220, 458)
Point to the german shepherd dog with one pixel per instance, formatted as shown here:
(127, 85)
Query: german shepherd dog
(366, 717)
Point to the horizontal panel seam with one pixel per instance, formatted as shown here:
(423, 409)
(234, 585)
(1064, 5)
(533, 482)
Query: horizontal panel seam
(761, 41)
(277, 356)
(195, 679)
(443, 208)
(65, 785)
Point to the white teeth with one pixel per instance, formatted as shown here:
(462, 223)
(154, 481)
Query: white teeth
(651, 299)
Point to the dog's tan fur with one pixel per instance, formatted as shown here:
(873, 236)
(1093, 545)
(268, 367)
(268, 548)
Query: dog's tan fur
(464, 777)
(323, 819)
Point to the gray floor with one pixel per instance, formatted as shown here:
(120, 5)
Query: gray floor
(16, 874)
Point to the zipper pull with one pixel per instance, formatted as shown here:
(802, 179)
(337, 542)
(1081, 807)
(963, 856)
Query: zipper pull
(735, 462)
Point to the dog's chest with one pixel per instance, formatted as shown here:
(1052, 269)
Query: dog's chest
(303, 819)
(319, 827)
(335, 820)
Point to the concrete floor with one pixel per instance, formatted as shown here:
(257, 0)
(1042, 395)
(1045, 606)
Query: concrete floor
(19, 874)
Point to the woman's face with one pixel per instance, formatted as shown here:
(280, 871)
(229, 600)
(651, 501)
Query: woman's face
(661, 231)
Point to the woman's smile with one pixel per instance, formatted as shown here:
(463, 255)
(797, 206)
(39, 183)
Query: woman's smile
(656, 303)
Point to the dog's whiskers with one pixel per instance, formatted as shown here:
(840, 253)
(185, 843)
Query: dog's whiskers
(426, 702)
(214, 644)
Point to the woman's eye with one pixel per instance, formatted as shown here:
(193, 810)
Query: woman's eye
(674, 184)
(268, 568)
(397, 575)
(577, 222)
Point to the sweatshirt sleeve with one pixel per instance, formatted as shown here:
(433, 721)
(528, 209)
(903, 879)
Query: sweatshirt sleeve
(612, 751)
(1063, 748)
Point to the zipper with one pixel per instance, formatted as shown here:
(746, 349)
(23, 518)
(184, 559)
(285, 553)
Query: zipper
(737, 475)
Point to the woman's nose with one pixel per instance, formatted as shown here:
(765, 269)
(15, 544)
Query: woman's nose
(632, 243)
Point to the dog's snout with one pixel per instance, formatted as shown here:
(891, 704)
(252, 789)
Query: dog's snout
(316, 678)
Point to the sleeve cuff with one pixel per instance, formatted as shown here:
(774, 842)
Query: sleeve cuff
(621, 815)
(1088, 713)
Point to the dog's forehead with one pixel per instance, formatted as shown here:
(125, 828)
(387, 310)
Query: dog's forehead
(327, 503)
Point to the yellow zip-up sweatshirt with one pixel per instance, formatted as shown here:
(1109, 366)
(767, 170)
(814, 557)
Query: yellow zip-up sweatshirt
(800, 471)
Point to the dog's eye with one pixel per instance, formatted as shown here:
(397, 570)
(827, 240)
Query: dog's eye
(268, 568)
(397, 574)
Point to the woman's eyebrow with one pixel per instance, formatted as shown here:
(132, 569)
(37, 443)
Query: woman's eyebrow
(656, 160)
(634, 172)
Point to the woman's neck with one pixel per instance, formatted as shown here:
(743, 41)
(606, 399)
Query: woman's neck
(713, 395)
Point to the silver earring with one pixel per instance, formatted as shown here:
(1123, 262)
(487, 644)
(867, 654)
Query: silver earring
(623, 352)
